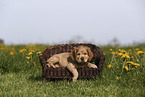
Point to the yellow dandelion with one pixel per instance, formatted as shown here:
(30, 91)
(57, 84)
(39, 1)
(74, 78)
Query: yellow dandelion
(12, 52)
(137, 49)
(113, 53)
(129, 50)
(117, 78)
(136, 64)
(129, 62)
(132, 57)
(2, 48)
(119, 50)
(111, 49)
(28, 58)
(140, 52)
(126, 68)
(132, 63)
(30, 53)
(110, 66)
(125, 56)
(120, 54)
(34, 63)
(23, 50)
(38, 53)
(123, 51)
(131, 53)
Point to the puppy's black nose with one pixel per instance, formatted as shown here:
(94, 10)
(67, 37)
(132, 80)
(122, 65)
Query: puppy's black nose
(82, 58)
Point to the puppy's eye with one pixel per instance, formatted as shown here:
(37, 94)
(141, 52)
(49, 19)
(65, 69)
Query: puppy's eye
(85, 53)
(78, 53)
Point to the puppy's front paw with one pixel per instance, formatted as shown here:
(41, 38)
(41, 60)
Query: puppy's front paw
(57, 66)
(92, 65)
(53, 66)
(48, 65)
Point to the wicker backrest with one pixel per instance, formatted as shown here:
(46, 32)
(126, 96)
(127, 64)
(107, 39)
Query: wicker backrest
(98, 58)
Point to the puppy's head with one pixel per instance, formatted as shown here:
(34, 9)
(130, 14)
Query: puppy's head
(82, 54)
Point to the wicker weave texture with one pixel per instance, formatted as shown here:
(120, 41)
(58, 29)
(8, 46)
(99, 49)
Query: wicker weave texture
(58, 73)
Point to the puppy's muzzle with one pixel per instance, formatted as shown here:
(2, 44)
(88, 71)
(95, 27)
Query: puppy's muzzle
(82, 58)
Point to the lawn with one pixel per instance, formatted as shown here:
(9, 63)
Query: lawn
(123, 74)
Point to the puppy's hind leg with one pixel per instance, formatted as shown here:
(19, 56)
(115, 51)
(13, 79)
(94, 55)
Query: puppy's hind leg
(50, 65)
(74, 71)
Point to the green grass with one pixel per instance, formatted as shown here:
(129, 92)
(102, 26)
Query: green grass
(20, 76)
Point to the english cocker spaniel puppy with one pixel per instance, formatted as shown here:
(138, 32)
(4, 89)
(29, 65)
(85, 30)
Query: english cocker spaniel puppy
(80, 57)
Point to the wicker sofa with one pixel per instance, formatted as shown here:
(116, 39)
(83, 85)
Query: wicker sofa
(61, 73)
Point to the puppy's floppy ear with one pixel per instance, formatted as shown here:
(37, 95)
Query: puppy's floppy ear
(90, 54)
(73, 53)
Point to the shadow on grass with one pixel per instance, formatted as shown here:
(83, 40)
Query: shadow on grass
(40, 79)
(35, 78)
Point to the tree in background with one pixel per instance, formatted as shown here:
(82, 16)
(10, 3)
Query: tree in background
(1, 41)
(114, 42)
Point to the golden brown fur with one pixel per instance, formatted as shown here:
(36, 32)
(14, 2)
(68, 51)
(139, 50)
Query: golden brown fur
(78, 58)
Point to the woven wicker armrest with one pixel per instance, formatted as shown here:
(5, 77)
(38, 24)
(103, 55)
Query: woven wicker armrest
(60, 73)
